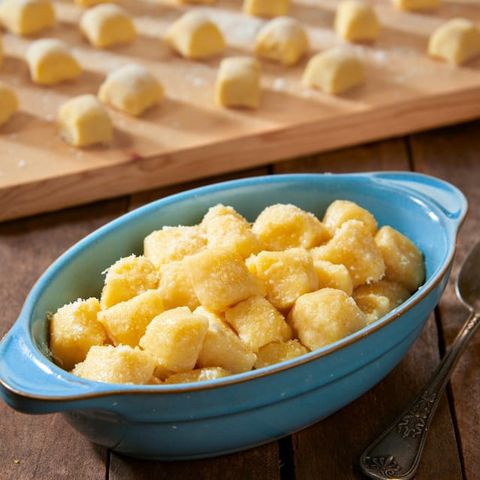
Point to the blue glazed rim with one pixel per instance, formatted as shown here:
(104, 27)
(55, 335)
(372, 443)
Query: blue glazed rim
(444, 199)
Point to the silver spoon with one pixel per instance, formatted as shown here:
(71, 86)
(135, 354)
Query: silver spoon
(396, 453)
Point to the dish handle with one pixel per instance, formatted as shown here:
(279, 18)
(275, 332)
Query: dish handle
(448, 198)
(29, 383)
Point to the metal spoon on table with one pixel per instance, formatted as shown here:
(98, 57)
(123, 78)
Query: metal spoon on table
(396, 453)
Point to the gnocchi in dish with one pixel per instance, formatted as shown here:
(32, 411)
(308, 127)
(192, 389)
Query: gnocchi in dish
(227, 296)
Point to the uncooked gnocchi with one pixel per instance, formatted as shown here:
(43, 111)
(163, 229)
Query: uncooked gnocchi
(225, 296)
(131, 89)
(356, 21)
(456, 41)
(282, 40)
(238, 83)
(195, 36)
(50, 61)
(334, 71)
(107, 25)
(83, 121)
(27, 17)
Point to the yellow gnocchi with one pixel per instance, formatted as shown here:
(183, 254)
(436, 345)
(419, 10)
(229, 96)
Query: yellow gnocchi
(174, 338)
(131, 89)
(173, 243)
(126, 321)
(354, 246)
(74, 329)
(258, 322)
(277, 352)
(222, 347)
(195, 36)
(287, 275)
(27, 17)
(333, 275)
(231, 231)
(122, 364)
(282, 40)
(340, 211)
(325, 316)
(379, 298)
(50, 61)
(127, 278)
(227, 296)
(280, 227)
(175, 286)
(403, 260)
(107, 25)
(220, 278)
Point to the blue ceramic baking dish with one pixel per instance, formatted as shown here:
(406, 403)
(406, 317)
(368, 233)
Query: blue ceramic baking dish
(212, 418)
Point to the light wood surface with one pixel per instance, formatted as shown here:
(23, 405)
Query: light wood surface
(188, 137)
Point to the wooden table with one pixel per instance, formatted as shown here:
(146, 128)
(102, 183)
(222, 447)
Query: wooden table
(45, 447)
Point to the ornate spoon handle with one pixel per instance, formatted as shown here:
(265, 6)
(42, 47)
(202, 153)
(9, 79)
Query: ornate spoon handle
(397, 452)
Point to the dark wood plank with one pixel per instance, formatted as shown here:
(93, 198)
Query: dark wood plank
(386, 155)
(332, 447)
(141, 198)
(258, 463)
(263, 462)
(452, 154)
(43, 447)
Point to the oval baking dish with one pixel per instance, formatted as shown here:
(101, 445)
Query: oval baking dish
(225, 415)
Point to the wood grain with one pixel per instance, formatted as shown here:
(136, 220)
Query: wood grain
(452, 154)
(335, 444)
(188, 137)
(43, 447)
(259, 463)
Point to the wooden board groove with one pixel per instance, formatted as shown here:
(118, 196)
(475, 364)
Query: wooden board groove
(188, 137)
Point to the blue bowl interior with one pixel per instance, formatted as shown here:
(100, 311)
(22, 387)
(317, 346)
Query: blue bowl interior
(78, 273)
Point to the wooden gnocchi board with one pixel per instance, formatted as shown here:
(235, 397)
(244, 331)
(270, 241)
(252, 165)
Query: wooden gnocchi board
(189, 137)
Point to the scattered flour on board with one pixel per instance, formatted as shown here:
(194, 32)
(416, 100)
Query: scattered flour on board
(236, 29)
(279, 84)
(198, 82)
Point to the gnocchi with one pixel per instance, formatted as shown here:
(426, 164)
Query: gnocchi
(226, 296)
(238, 83)
(195, 36)
(334, 71)
(83, 122)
